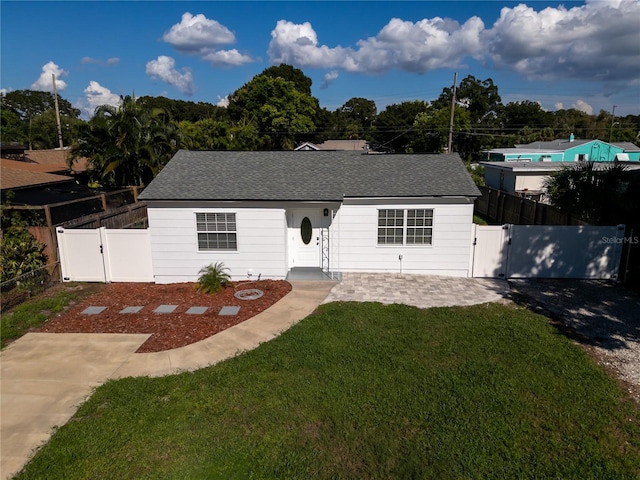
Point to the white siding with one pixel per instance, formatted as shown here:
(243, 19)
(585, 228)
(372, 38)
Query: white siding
(354, 245)
(174, 248)
(533, 182)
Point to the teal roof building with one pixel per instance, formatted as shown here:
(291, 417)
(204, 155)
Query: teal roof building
(571, 150)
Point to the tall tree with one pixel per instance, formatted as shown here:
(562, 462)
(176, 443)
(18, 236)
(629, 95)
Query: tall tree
(28, 116)
(355, 118)
(432, 129)
(29, 103)
(482, 100)
(291, 74)
(394, 127)
(180, 110)
(515, 116)
(281, 113)
(126, 145)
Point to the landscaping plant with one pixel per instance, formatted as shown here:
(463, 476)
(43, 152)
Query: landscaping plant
(213, 278)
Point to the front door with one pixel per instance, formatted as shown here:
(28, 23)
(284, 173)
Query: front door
(305, 233)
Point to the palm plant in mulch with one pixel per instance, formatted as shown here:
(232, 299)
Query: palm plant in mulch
(213, 278)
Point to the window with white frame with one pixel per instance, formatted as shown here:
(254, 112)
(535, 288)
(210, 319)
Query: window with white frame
(419, 226)
(216, 231)
(390, 227)
(405, 227)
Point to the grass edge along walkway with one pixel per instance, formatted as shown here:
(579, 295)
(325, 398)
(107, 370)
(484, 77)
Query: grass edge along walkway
(362, 390)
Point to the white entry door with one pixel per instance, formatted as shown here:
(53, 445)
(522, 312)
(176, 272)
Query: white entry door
(305, 235)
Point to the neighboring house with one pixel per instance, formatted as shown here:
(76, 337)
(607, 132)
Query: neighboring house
(528, 178)
(57, 160)
(340, 145)
(570, 150)
(265, 213)
(17, 175)
(39, 177)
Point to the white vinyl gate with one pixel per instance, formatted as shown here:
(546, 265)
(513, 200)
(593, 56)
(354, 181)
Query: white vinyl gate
(102, 255)
(546, 251)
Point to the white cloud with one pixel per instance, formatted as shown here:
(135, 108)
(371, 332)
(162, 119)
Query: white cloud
(583, 107)
(328, 78)
(297, 44)
(45, 82)
(422, 46)
(559, 106)
(164, 69)
(227, 58)
(597, 40)
(416, 47)
(97, 95)
(4, 91)
(223, 102)
(108, 61)
(198, 34)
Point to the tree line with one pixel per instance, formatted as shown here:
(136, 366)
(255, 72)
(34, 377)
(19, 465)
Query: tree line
(275, 110)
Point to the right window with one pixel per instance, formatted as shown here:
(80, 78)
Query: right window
(419, 226)
(405, 227)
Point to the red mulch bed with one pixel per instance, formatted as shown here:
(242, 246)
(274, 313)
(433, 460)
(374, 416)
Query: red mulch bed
(168, 330)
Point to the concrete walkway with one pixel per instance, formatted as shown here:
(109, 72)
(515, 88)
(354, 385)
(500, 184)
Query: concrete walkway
(46, 376)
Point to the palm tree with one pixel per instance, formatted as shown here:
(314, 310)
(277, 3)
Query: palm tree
(593, 194)
(127, 145)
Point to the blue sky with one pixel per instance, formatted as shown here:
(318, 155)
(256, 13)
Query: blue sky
(584, 55)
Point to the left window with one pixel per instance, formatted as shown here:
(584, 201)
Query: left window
(216, 231)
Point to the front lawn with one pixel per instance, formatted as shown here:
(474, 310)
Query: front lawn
(37, 310)
(361, 390)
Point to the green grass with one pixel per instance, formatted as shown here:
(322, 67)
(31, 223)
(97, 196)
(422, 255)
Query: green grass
(366, 391)
(34, 312)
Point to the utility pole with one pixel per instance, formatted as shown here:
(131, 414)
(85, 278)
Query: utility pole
(613, 117)
(55, 99)
(453, 105)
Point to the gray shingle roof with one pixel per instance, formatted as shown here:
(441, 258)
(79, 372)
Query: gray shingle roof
(307, 176)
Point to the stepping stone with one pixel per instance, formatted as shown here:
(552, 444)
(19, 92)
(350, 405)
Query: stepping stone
(93, 310)
(197, 310)
(229, 311)
(165, 308)
(131, 309)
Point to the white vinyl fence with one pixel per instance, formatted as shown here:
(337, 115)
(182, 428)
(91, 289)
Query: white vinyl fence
(507, 251)
(547, 251)
(105, 255)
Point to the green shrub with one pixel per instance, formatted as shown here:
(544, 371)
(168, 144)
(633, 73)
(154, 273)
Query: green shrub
(213, 278)
(20, 252)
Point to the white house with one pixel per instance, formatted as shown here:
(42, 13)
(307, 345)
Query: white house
(269, 212)
(528, 179)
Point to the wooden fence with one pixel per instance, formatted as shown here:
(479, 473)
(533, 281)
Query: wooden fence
(501, 208)
(117, 209)
(127, 216)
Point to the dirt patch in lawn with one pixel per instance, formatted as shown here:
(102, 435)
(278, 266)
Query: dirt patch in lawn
(168, 330)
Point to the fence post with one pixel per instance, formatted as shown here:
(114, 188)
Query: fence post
(52, 230)
(103, 198)
(520, 212)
